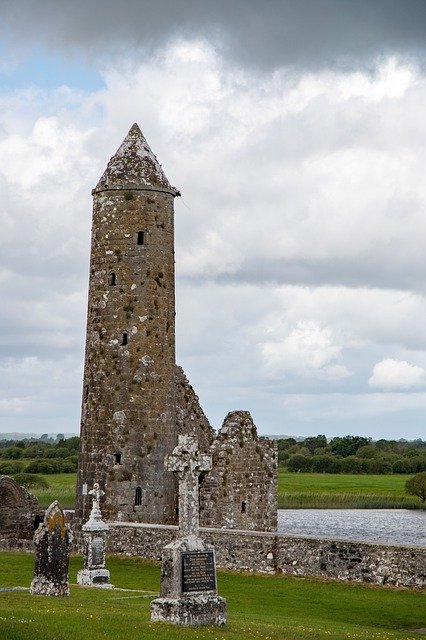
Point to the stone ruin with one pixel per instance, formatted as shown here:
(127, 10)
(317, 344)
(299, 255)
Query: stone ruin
(136, 400)
(18, 509)
(241, 490)
(52, 541)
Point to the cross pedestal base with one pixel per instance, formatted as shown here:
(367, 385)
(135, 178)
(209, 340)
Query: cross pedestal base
(188, 594)
(190, 611)
(94, 578)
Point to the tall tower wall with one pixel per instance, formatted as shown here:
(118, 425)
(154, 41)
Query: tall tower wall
(128, 421)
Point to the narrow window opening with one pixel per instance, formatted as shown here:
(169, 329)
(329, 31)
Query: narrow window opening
(112, 279)
(138, 497)
(117, 458)
(124, 339)
(141, 237)
(86, 392)
(243, 506)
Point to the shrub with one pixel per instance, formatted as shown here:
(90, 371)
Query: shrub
(416, 486)
(9, 468)
(404, 465)
(325, 464)
(352, 464)
(69, 465)
(40, 466)
(298, 462)
(12, 453)
(31, 480)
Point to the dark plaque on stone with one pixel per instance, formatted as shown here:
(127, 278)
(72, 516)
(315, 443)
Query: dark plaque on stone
(98, 558)
(198, 571)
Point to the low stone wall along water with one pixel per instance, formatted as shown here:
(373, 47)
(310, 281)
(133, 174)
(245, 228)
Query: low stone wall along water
(290, 555)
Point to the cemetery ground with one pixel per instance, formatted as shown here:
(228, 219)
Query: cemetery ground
(295, 490)
(259, 607)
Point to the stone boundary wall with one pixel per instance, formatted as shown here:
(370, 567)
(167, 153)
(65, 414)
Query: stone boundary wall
(269, 553)
(297, 556)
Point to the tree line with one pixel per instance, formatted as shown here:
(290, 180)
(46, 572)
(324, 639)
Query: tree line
(44, 455)
(352, 454)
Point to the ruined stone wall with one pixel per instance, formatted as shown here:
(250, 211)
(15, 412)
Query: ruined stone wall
(189, 414)
(128, 408)
(268, 552)
(241, 490)
(18, 508)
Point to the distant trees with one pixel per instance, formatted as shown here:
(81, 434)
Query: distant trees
(416, 486)
(352, 454)
(44, 455)
(347, 446)
(298, 462)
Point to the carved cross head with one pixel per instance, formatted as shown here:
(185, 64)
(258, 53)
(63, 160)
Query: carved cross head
(186, 459)
(96, 492)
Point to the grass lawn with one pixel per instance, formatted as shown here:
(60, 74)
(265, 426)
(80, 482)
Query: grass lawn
(329, 490)
(61, 487)
(259, 608)
(295, 491)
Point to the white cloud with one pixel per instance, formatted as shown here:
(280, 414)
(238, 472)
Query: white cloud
(298, 236)
(397, 374)
(308, 350)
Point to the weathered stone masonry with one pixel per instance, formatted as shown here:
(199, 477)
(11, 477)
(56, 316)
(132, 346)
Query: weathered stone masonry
(257, 551)
(241, 490)
(268, 552)
(17, 510)
(128, 409)
(136, 401)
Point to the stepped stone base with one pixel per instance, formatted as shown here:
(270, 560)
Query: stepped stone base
(190, 611)
(94, 578)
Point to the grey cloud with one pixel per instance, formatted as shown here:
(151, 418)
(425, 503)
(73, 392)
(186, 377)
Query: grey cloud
(307, 33)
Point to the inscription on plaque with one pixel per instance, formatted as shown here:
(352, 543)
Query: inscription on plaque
(97, 552)
(198, 571)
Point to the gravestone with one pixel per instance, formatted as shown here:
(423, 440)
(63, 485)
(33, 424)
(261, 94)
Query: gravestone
(52, 541)
(94, 573)
(188, 592)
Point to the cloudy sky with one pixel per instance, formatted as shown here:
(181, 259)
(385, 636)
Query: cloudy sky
(296, 132)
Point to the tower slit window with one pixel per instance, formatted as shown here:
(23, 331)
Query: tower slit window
(117, 458)
(138, 496)
(243, 506)
(141, 238)
(124, 339)
(112, 279)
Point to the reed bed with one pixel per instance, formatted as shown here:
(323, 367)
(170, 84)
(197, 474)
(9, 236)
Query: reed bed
(317, 500)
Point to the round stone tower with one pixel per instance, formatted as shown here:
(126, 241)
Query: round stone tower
(128, 418)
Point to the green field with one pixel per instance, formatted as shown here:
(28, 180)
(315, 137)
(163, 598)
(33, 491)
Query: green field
(259, 608)
(327, 490)
(295, 491)
(61, 487)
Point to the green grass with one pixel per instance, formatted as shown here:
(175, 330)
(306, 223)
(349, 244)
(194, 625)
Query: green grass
(61, 487)
(328, 491)
(259, 608)
(295, 491)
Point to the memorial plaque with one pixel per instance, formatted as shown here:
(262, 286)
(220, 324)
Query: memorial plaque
(98, 557)
(198, 571)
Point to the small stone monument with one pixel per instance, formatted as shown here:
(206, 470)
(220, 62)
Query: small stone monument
(188, 593)
(94, 573)
(52, 541)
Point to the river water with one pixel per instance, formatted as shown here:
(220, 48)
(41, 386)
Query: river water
(389, 526)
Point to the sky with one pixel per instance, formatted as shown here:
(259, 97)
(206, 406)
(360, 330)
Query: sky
(296, 133)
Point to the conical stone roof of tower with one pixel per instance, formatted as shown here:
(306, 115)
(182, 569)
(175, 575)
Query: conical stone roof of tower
(134, 166)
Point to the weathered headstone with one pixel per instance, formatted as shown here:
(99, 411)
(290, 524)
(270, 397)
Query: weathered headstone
(188, 592)
(94, 573)
(52, 541)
